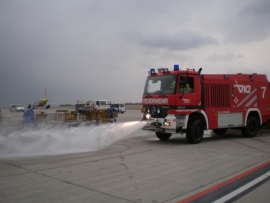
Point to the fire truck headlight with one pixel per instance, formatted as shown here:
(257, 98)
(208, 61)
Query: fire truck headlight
(148, 116)
(167, 124)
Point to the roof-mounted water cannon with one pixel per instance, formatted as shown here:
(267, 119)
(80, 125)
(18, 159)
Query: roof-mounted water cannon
(152, 71)
(163, 70)
(176, 67)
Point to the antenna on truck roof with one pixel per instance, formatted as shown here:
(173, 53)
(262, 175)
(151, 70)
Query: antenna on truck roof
(191, 59)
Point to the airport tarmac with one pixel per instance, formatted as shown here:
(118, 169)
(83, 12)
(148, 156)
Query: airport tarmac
(133, 166)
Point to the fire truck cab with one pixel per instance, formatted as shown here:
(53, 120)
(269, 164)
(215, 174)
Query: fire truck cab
(186, 101)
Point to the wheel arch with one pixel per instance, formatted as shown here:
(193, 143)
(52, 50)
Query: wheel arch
(201, 116)
(254, 112)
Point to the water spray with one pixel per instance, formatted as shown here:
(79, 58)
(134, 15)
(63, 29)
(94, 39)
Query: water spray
(62, 140)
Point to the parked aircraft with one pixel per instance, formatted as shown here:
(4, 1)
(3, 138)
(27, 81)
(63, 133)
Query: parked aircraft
(42, 102)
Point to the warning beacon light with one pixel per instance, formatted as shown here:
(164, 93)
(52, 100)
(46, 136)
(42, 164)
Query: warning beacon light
(152, 71)
(176, 67)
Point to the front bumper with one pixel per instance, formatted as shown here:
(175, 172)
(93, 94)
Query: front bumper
(170, 124)
(165, 125)
(153, 126)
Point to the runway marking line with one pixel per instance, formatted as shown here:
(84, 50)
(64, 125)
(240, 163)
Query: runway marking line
(243, 188)
(220, 185)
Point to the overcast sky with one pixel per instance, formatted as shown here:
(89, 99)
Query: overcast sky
(97, 49)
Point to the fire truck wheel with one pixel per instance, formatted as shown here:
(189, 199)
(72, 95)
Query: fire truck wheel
(163, 136)
(252, 127)
(220, 131)
(194, 133)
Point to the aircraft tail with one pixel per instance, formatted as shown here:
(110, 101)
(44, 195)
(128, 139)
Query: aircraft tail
(45, 94)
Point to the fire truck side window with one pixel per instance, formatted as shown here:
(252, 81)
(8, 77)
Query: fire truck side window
(186, 85)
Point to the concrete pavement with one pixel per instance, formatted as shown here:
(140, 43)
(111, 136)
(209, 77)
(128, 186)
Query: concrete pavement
(138, 168)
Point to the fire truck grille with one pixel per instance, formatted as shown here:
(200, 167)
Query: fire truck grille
(217, 95)
(157, 111)
(163, 114)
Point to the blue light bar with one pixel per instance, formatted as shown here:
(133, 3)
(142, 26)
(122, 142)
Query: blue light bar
(152, 71)
(176, 67)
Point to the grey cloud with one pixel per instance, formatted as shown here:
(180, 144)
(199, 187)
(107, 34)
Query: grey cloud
(88, 49)
(175, 42)
(258, 7)
(245, 22)
(225, 57)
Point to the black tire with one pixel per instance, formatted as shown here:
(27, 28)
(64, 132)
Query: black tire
(220, 131)
(194, 133)
(163, 136)
(252, 127)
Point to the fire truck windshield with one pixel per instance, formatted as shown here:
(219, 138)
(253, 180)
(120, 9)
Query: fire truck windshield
(160, 85)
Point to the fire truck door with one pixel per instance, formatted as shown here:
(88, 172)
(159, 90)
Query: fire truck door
(188, 92)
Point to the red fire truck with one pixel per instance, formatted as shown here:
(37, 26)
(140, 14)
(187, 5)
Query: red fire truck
(186, 101)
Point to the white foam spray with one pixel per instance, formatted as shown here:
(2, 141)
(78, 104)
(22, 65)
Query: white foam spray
(63, 140)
